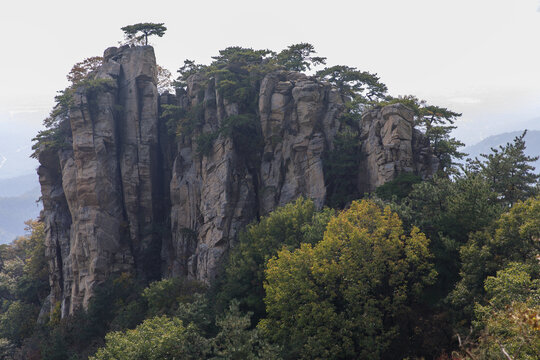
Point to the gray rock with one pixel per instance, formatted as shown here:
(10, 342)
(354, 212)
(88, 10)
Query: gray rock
(126, 196)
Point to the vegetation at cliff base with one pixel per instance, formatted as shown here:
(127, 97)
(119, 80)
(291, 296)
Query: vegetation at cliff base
(351, 295)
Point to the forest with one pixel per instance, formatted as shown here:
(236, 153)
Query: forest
(446, 267)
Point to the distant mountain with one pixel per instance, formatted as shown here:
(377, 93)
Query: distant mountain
(19, 185)
(14, 211)
(16, 133)
(532, 141)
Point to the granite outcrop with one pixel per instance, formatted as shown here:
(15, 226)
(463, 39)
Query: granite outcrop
(126, 195)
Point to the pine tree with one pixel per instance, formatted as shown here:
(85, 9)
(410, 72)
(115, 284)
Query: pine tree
(509, 171)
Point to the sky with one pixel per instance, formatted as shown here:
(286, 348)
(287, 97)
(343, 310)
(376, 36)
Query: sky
(477, 57)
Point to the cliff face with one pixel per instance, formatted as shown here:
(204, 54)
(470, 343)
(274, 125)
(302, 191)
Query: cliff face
(126, 196)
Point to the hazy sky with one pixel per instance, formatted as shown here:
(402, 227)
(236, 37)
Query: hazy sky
(478, 57)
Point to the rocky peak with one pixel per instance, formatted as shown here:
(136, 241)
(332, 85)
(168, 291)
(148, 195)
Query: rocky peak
(126, 196)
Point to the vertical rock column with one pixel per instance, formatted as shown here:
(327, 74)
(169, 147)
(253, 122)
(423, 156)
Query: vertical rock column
(298, 120)
(92, 186)
(390, 147)
(57, 219)
(139, 155)
(100, 195)
(212, 195)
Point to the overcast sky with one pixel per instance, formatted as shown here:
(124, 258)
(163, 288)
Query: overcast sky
(478, 57)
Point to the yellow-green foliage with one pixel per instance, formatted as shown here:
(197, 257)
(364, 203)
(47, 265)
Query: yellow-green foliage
(23, 282)
(287, 226)
(510, 319)
(514, 238)
(348, 295)
(157, 338)
(514, 330)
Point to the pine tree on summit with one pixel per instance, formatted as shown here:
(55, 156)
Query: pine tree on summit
(147, 29)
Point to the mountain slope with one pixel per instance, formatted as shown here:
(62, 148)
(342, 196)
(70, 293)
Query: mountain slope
(14, 211)
(532, 141)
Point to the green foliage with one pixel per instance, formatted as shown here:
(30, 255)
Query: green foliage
(205, 143)
(181, 122)
(189, 68)
(198, 312)
(18, 321)
(447, 210)
(64, 102)
(56, 347)
(51, 139)
(58, 129)
(108, 299)
(131, 32)
(400, 187)
(235, 340)
(116, 305)
(452, 207)
(24, 283)
(244, 132)
(7, 349)
(24, 272)
(171, 115)
(509, 322)
(298, 57)
(362, 86)
(82, 69)
(33, 284)
(288, 227)
(163, 296)
(119, 304)
(341, 165)
(508, 171)
(351, 295)
(155, 339)
(246, 136)
(516, 282)
(513, 238)
(238, 72)
(169, 338)
(510, 333)
(92, 88)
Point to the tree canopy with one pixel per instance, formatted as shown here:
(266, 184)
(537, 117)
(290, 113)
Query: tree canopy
(361, 86)
(288, 227)
(80, 70)
(348, 295)
(509, 171)
(131, 32)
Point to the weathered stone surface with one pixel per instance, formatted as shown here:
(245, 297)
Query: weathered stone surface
(212, 196)
(296, 113)
(127, 196)
(98, 194)
(390, 146)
